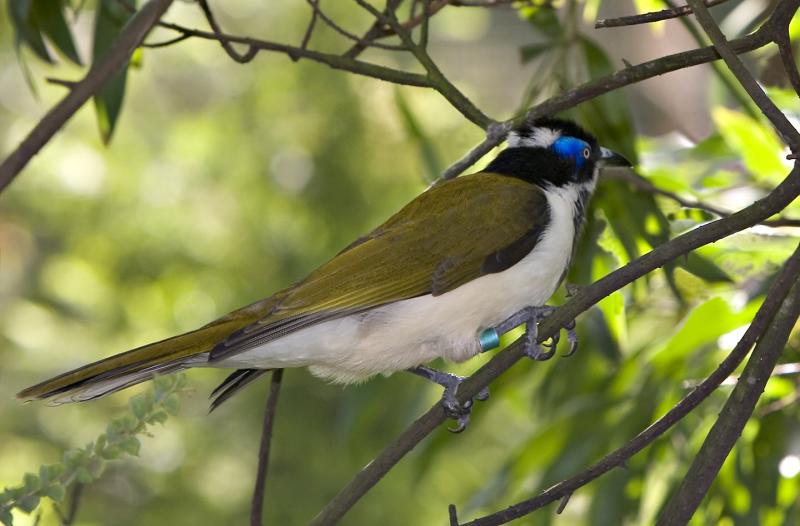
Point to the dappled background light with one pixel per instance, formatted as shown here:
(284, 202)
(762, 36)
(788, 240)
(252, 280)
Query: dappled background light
(224, 183)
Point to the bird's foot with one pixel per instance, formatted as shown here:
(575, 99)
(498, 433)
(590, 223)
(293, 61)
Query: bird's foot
(531, 316)
(452, 407)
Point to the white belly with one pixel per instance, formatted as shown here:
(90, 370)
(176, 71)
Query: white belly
(415, 331)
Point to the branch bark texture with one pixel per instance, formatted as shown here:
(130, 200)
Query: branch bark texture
(734, 415)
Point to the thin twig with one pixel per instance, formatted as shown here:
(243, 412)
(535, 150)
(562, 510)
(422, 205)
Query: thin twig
(69, 84)
(452, 512)
(438, 80)
(311, 24)
(365, 479)
(339, 62)
(648, 18)
(351, 36)
(772, 301)
(597, 87)
(734, 415)
(257, 507)
(166, 43)
(75, 494)
(787, 57)
(722, 73)
(374, 32)
(646, 186)
(100, 72)
(224, 42)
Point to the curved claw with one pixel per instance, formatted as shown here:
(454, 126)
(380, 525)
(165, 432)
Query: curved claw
(458, 412)
(541, 356)
(461, 424)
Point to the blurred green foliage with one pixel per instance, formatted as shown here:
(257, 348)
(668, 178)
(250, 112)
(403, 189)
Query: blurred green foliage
(226, 182)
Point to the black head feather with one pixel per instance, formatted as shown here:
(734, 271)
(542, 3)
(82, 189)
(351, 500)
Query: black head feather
(530, 155)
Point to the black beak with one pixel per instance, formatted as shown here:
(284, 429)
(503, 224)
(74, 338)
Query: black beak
(612, 158)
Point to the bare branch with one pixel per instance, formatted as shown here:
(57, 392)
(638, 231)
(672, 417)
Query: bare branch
(773, 299)
(166, 43)
(787, 7)
(597, 87)
(787, 57)
(364, 480)
(257, 507)
(342, 31)
(648, 18)
(374, 32)
(311, 24)
(224, 42)
(100, 72)
(734, 415)
(295, 53)
(438, 80)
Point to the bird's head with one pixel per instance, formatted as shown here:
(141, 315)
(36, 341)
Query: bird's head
(556, 152)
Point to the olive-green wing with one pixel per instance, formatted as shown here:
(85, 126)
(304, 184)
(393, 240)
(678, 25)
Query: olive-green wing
(451, 234)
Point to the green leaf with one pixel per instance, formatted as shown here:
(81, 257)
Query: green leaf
(531, 51)
(760, 148)
(111, 18)
(130, 445)
(172, 404)
(83, 476)
(27, 30)
(140, 405)
(49, 16)
(29, 503)
(6, 517)
(55, 492)
(71, 459)
(159, 417)
(51, 472)
(31, 482)
(704, 268)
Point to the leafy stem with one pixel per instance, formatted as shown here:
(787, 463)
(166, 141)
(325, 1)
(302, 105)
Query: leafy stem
(85, 465)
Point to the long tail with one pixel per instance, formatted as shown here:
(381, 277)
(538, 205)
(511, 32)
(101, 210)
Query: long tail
(129, 368)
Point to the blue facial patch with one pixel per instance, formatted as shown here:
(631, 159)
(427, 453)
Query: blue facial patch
(572, 149)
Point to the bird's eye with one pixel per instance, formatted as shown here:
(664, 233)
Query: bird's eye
(586, 153)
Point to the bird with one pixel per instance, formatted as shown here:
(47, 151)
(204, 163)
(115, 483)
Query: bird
(461, 264)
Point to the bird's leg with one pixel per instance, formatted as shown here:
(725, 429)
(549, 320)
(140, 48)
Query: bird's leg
(531, 316)
(455, 410)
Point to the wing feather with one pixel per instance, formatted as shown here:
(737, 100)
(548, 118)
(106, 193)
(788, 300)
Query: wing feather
(450, 235)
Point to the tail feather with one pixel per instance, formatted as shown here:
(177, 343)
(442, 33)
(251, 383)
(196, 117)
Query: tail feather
(235, 382)
(132, 367)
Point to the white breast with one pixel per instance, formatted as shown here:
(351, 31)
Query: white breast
(415, 331)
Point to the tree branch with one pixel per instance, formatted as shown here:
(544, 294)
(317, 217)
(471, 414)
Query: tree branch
(120, 53)
(364, 480)
(597, 87)
(785, 9)
(787, 57)
(734, 415)
(296, 53)
(648, 18)
(437, 79)
(770, 31)
(772, 301)
(226, 45)
(257, 505)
